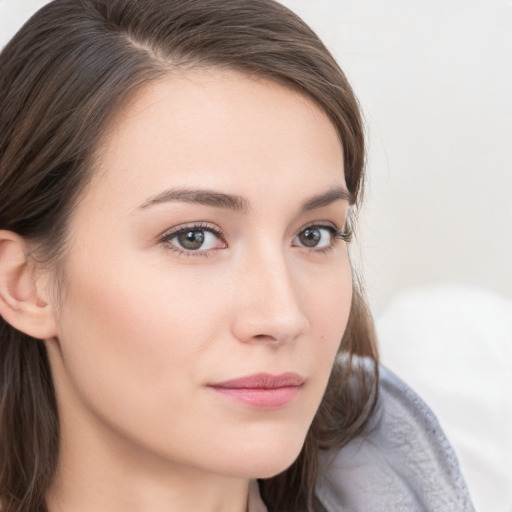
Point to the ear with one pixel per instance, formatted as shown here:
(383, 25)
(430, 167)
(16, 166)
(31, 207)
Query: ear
(22, 303)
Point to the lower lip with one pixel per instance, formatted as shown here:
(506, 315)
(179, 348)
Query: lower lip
(262, 398)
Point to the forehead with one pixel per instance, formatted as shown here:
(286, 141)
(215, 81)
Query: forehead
(216, 128)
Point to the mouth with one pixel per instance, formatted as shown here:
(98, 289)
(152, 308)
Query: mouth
(262, 390)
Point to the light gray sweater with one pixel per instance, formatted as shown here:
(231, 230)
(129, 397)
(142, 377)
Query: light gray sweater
(401, 463)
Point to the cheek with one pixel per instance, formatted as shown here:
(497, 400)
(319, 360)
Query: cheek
(328, 305)
(131, 339)
(133, 348)
(133, 318)
(329, 302)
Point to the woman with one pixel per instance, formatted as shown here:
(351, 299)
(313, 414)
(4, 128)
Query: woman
(178, 181)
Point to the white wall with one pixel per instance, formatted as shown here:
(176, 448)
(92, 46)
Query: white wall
(435, 82)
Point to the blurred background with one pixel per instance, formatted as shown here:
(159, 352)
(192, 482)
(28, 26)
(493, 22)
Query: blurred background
(434, 79)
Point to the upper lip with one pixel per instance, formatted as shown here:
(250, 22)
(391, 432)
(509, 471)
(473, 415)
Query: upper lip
(262, 381)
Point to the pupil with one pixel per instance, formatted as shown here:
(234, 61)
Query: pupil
(310, 237)
(191, 239)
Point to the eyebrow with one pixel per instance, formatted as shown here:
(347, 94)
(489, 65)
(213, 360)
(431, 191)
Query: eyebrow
(325, 199)
(204, 197)
(239, 203)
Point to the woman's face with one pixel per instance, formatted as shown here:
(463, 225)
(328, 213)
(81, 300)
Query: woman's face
(207, 284)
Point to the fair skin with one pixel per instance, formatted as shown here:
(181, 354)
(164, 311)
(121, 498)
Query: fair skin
(150, 317)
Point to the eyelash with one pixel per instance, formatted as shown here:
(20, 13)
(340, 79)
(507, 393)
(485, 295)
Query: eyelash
(344, 235)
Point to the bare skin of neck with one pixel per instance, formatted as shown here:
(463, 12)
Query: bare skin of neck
(138, 484)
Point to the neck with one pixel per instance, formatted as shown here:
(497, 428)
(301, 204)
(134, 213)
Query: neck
(105, 485)
(98, 471)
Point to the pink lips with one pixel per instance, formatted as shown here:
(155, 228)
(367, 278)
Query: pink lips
(262, 390)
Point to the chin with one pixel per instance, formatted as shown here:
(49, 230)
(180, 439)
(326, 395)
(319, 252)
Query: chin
(272, 469)
(266, 460)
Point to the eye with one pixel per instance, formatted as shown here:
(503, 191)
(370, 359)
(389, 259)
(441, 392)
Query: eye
(194, 239)
(318, 237)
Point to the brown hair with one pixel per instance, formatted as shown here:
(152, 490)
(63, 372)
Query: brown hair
(64, 75)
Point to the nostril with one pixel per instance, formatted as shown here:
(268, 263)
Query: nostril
(264, 337)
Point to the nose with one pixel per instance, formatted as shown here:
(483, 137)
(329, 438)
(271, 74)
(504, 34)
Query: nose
(268, 309)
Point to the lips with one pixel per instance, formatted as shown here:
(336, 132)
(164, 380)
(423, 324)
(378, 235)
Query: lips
(262, 390)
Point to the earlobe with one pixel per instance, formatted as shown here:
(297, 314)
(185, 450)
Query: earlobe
(22, 303)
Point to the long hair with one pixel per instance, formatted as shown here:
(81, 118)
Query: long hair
(63, 76)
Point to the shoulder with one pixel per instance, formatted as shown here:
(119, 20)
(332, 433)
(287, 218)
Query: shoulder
(401, 462)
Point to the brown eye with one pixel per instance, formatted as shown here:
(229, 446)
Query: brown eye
(315, 237)
(191, 240)
(194, 239)
(310, 237)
